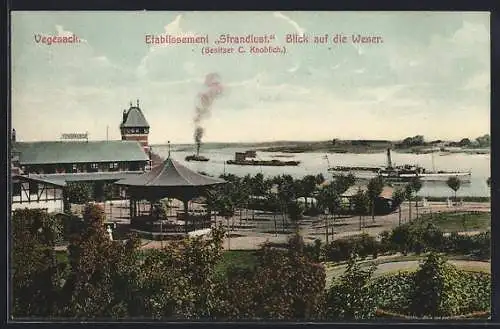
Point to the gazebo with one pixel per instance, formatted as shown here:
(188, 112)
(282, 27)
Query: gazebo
(168, 179)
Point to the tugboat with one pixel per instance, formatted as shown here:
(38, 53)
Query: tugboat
(197, 156)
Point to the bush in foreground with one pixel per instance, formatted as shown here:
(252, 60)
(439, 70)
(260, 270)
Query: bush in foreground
(436, 290)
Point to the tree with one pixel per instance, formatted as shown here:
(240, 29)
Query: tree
(35, 273)
(361, 205)
(284, 285)
(351, 296)
(274, 205)
(437, 288)
(416, 185)
(398, 196)
(296, 213)
(454, 183)
(78, 193)
(464, 142)
(180, 280)
(286, 193)
(342, 183)
(308, 184)
(408, 192)
(320, 179)
(225, 208)
(101, 272)
(484, 141)
(329, 199)
(375, 187)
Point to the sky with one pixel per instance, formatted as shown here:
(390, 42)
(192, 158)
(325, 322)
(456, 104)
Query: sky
(429, 76)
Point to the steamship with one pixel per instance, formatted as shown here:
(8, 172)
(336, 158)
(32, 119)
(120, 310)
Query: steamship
(197, 156)
(401, 173)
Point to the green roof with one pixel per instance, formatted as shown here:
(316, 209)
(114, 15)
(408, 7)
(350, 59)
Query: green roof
(79, 152)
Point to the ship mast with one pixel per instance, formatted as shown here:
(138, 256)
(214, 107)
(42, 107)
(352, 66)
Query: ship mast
(389, 162)
(433, 165)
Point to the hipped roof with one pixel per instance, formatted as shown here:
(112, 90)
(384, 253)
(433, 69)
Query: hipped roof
(170, 174)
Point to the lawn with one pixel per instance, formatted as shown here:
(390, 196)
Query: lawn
(458, 221)
(237, 258)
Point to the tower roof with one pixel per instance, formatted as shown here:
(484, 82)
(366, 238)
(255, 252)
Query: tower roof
(134, 118)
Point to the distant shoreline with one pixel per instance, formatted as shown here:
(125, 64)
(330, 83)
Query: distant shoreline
(350, 146)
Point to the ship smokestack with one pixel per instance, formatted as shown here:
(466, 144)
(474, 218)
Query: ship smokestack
(389, 162)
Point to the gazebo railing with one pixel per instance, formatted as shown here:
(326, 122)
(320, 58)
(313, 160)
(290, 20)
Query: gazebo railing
(152, 224)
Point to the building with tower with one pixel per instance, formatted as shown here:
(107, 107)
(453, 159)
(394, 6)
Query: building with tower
(135, 127)
(39, 169)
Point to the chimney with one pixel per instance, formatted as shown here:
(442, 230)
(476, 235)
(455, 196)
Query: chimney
(198, 149)
(137, 103)
(13, 135)
(389, 162)
(124, 116)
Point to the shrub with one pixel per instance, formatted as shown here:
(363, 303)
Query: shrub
(351, 297)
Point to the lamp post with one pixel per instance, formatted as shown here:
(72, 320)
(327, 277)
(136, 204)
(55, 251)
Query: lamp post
(326, 224)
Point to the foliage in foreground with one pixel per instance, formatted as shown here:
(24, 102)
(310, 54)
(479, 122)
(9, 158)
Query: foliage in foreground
(437, 289)
(184, 280)
(351, 296)
(416, 237)
(284, 285)
(113, 279)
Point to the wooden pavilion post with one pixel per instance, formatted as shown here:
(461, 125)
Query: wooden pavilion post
(185, 202)
(131, 208)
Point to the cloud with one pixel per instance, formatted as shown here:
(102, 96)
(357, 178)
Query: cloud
(297, 27)
(479, 82)
(63, 33)
(471, 33)
(383, 93)
(293, 69)
(159, 50)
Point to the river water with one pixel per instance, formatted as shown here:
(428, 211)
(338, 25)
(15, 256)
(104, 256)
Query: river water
(315, 163)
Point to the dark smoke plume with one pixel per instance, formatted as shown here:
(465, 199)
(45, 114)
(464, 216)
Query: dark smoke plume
(206, 99)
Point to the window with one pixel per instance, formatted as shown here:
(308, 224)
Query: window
(75, 168)
(113, 165)
(33, 188)
(94, 166)
(16, 189)
(146, 131)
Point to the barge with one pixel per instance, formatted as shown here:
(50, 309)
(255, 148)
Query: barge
(262, 163)
(240, 158)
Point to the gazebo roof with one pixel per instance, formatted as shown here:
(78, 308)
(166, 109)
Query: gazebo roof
(170, 174)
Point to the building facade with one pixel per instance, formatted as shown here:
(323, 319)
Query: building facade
(40, 170)
(134, 127)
